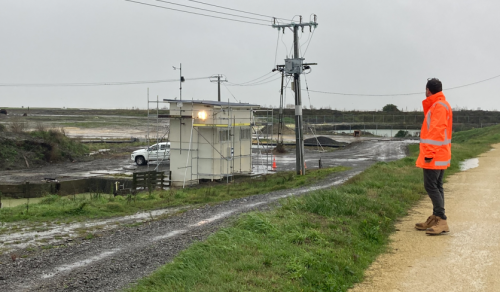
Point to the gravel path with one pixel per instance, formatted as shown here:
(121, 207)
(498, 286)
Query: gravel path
(467, 259)
(118, 257)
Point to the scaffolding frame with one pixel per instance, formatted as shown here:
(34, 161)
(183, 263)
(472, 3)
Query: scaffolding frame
(258, 124)
(158, 139)
(224, 165)
(226, 170)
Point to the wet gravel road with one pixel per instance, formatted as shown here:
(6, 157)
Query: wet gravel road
(118, 257)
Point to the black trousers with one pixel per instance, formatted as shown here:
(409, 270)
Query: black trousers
(433, 183)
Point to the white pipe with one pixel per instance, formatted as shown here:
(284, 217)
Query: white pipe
(189, 151)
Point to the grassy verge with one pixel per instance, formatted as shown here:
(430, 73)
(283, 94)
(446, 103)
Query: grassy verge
(320, 242)
(104, 205)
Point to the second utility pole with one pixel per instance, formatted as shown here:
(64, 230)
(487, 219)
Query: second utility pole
(218, 87)
(218, 83)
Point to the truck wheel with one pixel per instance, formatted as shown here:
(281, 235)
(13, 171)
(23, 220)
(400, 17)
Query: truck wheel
(139, 160)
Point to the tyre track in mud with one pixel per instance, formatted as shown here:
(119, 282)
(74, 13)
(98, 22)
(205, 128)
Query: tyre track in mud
(121, 256)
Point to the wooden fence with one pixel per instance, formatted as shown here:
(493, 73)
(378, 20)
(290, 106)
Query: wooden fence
(150, 180)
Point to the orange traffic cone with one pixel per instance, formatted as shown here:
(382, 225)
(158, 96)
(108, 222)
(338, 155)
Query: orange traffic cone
(305, 165)
(274, 162)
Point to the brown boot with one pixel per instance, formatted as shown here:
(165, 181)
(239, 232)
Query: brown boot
(440, 227)
(431, 221)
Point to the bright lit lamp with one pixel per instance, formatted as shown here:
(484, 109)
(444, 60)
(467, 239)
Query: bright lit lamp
(202, 115)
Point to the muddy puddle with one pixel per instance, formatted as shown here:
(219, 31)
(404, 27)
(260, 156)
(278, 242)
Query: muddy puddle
(12, 192)
(469, 164)
(19, 235)
(10, 202)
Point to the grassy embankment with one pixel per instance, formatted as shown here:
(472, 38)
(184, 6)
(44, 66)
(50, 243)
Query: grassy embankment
(103, 205)
(20, 149)
(320, 242)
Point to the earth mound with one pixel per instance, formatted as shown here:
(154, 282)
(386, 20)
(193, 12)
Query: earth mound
(323, 141)
(19, 150)
(274, 129)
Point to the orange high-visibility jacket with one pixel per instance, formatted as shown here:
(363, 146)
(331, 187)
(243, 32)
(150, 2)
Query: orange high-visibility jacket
(435, 135)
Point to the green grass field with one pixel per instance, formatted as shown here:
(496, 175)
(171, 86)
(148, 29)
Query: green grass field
(98, 205)
(319, 242)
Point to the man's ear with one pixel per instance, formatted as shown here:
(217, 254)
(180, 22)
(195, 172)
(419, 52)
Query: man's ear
(427, 92)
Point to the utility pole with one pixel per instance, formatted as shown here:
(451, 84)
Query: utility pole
(181, 79)
(280, 115)
(295, 67)
(219, 80)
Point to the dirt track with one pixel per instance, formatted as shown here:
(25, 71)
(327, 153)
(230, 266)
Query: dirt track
(467, 259)
(120, 254)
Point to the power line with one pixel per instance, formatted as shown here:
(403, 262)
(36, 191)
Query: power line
(356, 94)
(473, 83)
(404, 94)
(94, 83)
(310, 39)
(192, 7)
(260, 82)
(230, 92)
(201, 14)
(255, 84)
(308, 95)
(277, 45)
(237, 10)
(252, 79)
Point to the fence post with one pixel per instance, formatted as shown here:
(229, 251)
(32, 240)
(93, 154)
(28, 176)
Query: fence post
(134, 182)
(162, 179)
(27, 189)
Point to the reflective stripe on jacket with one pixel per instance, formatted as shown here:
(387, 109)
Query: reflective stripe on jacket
(435, 135)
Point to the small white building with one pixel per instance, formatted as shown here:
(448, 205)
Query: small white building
(209, 140)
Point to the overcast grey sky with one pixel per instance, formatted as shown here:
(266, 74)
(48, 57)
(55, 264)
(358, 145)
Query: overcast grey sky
(363, 47)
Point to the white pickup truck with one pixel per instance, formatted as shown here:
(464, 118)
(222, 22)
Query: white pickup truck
(158, 152)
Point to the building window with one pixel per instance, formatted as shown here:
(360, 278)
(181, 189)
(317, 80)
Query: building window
(245, 134)
(224, 135)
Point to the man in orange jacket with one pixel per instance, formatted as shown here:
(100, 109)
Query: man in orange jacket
(435, 153)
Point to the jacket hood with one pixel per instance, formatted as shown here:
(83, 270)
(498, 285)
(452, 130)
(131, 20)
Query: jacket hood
(429, 101)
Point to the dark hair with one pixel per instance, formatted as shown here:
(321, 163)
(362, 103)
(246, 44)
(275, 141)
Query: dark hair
(434, 85)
